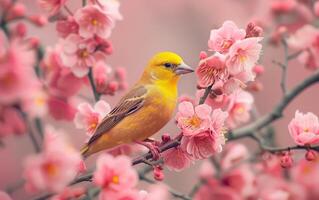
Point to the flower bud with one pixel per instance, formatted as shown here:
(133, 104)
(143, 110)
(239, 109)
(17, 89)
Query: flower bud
(252, 30)
(21, 29)
(258, 69)
(38, 20)
(166, 137)
(311, 155)
(17, 10)
(202, 55)
(158, 173)
(286, 160)
(34, 42)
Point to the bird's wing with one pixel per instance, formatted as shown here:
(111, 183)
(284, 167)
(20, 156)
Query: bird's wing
(129, 104)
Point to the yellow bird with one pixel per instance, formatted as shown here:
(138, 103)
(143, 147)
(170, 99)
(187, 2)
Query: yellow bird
(145, 109)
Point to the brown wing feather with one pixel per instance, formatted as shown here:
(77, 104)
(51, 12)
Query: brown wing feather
(129, 104)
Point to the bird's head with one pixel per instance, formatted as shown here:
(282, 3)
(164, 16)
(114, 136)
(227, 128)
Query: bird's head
(166, 66)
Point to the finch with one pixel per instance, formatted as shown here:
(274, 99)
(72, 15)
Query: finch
(145, 109)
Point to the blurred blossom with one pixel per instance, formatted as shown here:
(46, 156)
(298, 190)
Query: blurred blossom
(306, 39)
(207, 170)
(55, 167)
(70, 193)
(61, 108)
(52, 6)
(35, 104)
(233, 154)
(80, 54)
(114, 175)
(126, 149)
(67, 26)
(239, 108)
(158, 192)
(11, 122)
(4, 196)
(111, 7)
(306, 174)
(92, 20)
(282, 6)
(130, 194)
(214, 191)
(304, 128)
(176, 159)
(57, 76)
(88, 118)
(223, 38)
(17, 75)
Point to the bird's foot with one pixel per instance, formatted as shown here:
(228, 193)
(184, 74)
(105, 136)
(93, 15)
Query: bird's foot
(153, 147)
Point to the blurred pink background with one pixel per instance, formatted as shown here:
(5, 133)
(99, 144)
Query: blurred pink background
(182, 26)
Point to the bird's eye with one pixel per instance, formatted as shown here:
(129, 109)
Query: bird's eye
(168, 65)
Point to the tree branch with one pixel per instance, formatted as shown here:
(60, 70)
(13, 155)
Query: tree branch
(277, 111)
(95, 93)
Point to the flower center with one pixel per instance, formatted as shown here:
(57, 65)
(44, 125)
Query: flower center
(39, 101)
(239, 109)
(83, 53)
(194, 121)
(51, 169)
(306, 130)
(226, 44)
(94, 22)
(115, 179)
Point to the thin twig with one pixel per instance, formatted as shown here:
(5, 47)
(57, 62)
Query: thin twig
(91, 79)
(284, 67)
(206, 93)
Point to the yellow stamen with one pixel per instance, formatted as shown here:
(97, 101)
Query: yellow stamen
(194, 121)
(84, 53)
(115, 179)
(306, 130)
(51, 169)
(39, 101)
(240, 110)
(94, 22)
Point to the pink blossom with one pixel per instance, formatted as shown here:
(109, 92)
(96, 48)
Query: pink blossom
(17, 76)
(233, 154)
(88, 118)
(79, 54)
(239, 108)
(126, 149)
(35, 104)
(115, 173)
(211, 69)
(58, 76)
(304, 128)
(208, 192)
(4, 196)
(241, 179)
(176, 159)
(92, 20)
(55, 167)
(206, 143)
(243, 55)
(67, 27)
(61, 108)
(111, 7)
(193, 120)
(309, 45)
(223, 38)
(130, 194)
(52, 6)
(70, 193)
(11, 122)
(283, 6)
(158, 192)
(207, 170)
(316, 8)
(101, 74)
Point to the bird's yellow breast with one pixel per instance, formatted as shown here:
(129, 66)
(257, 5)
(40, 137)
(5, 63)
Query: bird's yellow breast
(157, 110)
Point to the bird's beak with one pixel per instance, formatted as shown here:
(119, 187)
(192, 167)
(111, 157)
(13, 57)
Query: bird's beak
(183, 69)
